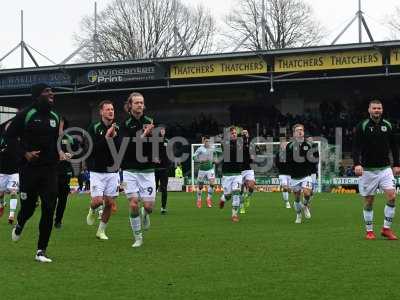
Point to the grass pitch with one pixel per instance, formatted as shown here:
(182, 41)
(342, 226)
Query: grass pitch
(193, 253)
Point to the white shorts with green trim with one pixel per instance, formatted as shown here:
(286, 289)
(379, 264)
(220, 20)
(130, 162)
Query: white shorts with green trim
(231, 184)
(9, 182)
(248, 175)
(104, 184)
(140, 185)
(299, 184)
(370, 181)
(284, 180)
(206, 176)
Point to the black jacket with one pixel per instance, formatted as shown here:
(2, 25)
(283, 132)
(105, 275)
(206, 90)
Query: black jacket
(9, 159)
(35, 129)
(163, 156)
(136, 157)
(302, 159)
(235, 156)
(372, 144)
(100, 159)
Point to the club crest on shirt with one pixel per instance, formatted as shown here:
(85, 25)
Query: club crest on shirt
(23, 196)
(53, 123)
(305, 148)
(384, 128)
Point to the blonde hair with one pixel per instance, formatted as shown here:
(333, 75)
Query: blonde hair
(297, 125)
(128, 103)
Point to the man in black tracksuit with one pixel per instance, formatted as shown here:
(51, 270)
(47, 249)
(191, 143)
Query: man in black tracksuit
(65, 173)
(161, 171)
(374, 139)
(36, 131)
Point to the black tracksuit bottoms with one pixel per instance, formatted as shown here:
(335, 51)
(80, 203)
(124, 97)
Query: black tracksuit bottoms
(62, 197)
(38, 181)
(161, 176)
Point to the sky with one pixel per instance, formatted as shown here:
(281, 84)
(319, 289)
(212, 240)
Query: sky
(50, 25)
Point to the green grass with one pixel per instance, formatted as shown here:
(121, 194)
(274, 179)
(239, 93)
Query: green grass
(199, 254)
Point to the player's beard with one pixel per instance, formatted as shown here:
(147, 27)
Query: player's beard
(376, 118)
(44, 104)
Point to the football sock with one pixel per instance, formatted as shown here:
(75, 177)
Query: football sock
(102, 226)
(368, 218)
(13, 206)
(298, 206)
(136, 225)
(389, 215)
(210, 192)
(235, 203)
(285, 196)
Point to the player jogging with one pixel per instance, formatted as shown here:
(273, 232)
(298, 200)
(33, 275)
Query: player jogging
(138, 166)
(374, 139)
(205, 155)
(234, 152)
(35, 131)
(104, 179)
(301, 156)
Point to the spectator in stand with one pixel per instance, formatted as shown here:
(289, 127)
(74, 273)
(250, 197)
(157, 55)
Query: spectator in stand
(349, 171)
(342, 171)
(179, 171)
(86, 178)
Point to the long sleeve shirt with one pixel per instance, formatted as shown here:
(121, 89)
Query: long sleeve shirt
(301, 159)
(372, 144)
(139, 153)
(101, 159)
(35, 129)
